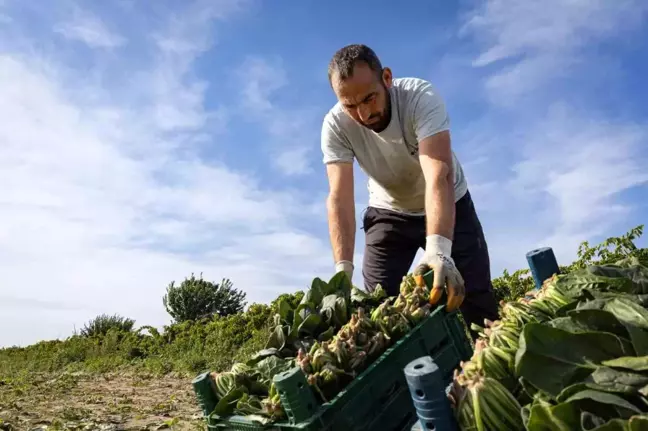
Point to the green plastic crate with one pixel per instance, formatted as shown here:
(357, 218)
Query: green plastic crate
(379, 397)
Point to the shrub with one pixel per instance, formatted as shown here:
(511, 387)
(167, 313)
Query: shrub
(100, 325)
(509, 287)
(292, 298)
(196, 299)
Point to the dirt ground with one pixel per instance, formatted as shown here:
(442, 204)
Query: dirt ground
(107, 402)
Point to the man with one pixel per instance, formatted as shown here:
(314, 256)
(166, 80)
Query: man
(398, 131)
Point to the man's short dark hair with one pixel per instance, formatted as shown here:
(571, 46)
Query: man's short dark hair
(345, 59)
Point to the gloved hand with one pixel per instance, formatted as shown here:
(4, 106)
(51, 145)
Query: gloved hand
(346, 266)
(446, 275)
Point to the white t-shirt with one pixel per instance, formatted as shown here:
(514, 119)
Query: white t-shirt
(390, 158)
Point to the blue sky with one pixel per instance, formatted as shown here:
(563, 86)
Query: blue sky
(139, 145)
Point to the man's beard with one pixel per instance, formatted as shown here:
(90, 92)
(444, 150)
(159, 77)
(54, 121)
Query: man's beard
(385, 118)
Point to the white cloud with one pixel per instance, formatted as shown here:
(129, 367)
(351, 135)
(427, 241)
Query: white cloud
(294, 161)
(105, 200)
(556, 175)
(295, 133)
(261, 78)
(541, 41)
(90, 29)
(568, 176)
(583, 165)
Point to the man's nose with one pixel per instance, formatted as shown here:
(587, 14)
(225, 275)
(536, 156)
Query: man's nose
(363, 112)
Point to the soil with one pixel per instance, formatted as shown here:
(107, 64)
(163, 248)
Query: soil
(107, 402)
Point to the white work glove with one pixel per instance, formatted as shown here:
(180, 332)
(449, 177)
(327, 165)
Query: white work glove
(346, 266)
(437, 257)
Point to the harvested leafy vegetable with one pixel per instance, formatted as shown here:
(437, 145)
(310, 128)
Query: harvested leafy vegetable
(332, 335)
(574, 354)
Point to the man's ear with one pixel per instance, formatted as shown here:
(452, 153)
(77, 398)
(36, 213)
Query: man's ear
(387, 77)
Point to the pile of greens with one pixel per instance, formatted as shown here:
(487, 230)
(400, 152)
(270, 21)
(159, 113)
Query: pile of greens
(572, 355)
(332, 335)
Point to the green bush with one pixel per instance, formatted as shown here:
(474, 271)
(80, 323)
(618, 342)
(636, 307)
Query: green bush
(509, 287)
(100, 325)
(196, 299)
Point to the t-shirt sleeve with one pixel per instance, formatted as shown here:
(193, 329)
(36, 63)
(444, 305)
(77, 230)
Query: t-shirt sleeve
(429, 112)
(335, 147)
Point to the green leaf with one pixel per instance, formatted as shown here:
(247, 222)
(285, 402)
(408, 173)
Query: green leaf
(552, 359)
(260, 355)
(568, 324)
(604, 404)
(315, 294)
(379, 293)
(303, 310)
(605, 379)
(619, 381)
(277, 339)
(248, 405)
(341, 312)
(590, 421)
(638, 423)
(359, 296)
(572, 284)
(310, 324)
(326, 335)
(285, 311)
(273, 365)
(227, 404)
(599, 320)
(635, 363)
(340, 284)
(328, 309)
(547, 417)
(612, 425)
(636, 275)
(633, 316)
(304, 343)
(587, 320)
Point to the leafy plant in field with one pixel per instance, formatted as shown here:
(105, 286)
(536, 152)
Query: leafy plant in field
(570, 355)
(215, 340)
(611, 250)
(103, 323)
(196, 299)
(293, 299)
(511, 286)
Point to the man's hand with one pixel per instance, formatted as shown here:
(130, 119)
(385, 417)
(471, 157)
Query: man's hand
(435, 155)
(446, 275)
(346, 266)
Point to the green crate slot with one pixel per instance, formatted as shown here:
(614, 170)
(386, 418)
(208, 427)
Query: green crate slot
(379, 397)
(396, 415)
(297, 398)
(205, 392)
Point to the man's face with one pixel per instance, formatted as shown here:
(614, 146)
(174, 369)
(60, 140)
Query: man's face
(365, 97)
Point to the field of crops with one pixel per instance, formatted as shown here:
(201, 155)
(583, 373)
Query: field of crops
(571, 356)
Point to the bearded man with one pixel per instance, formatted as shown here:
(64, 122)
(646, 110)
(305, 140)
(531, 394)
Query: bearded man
(398, 130)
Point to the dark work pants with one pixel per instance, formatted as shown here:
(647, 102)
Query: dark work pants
(392, 240)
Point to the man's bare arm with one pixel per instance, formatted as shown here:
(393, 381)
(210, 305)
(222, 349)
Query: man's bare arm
(436, 162)
(341, 210)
